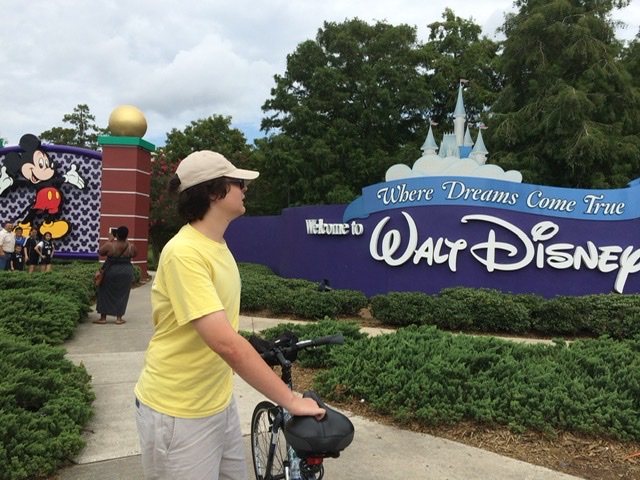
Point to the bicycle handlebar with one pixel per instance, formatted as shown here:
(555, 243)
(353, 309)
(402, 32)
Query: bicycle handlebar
(279, 352)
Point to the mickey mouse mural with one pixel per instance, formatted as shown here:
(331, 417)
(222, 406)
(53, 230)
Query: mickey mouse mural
(34, 167)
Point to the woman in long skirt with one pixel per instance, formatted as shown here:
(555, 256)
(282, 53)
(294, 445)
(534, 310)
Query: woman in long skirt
(113, 293)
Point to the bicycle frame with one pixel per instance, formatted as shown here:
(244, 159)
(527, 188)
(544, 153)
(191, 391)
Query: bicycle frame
(278, 422)
(281, 418)
(275, 417)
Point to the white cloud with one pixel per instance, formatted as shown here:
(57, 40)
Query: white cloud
(176, 61)
(432, 165)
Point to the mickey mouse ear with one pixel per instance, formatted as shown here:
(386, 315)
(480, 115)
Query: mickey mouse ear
(30, 142)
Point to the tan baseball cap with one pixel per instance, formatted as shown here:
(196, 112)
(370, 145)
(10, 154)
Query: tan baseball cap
(205, 165)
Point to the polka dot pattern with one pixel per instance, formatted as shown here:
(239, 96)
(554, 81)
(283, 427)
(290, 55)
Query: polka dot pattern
(80, 207)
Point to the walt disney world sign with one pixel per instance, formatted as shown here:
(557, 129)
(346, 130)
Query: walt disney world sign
(452, 220)
(516, 228)
(418, 232)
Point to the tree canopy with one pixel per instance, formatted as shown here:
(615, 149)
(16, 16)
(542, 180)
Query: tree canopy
(358, 99)
(212, 133)
(456, 49)
(83, 133)
(349, 101)
(568, 113)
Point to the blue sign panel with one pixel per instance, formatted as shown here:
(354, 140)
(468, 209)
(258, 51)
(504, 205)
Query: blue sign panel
(509, 196)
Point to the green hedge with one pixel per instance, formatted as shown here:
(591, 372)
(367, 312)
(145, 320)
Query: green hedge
(262, 289)
(421, 374)
(417, 374)
(406, 308)
(45, 400)
(492, 311)
(41, 316)
(44, 403)
(455, 309)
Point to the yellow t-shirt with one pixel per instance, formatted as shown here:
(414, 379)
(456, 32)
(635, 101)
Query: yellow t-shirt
(182, 376)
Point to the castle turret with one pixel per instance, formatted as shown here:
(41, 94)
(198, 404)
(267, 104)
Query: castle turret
(459, 117)
(479, 152)
(429, 146)
(468, 142)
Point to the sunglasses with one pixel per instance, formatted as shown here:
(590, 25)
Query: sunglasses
(238, 182)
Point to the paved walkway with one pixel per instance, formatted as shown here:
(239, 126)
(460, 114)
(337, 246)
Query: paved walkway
(113, 355)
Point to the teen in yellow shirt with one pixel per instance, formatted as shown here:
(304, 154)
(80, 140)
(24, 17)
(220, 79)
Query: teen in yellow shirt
(186, 415)
(183, 377)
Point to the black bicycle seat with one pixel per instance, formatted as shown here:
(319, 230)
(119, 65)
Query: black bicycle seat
(326, 437)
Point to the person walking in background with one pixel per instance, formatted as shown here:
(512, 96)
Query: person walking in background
(31, 256)
(7, 245)
(113, 294)
(17, 259)
(185, 390)
(45, 250)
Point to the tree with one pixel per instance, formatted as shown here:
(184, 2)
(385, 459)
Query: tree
(568, 114)
(350, 104)
(631, 60)
(358, 99)
(163, 218)
(213, 133)
(456, 50)
(83, 134)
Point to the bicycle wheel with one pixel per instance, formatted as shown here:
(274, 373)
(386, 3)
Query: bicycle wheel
(261, 427)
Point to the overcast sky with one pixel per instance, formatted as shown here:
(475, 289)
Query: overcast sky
(179, 60)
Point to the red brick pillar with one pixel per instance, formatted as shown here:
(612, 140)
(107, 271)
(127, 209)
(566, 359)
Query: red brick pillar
(126, 187)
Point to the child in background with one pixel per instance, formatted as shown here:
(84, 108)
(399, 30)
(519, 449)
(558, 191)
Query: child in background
(45, 250)
(19, 237)
(17, 259)
(30, 254)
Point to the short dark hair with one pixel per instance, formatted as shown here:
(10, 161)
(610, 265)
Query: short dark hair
(194, 202)
(122, 233)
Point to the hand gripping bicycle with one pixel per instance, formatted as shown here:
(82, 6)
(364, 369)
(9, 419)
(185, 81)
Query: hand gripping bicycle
(292, 447)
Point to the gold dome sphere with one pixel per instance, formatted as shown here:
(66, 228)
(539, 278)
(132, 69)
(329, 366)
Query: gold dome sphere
(127, 121)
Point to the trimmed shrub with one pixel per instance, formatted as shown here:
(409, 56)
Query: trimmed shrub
(254, 269)
(615, 315)
(452, 310)
(39, 316)
(420, 374)
(253, 296)
(349, 302)
(485, 310)
(312, 304)
(402, 308)
(561, 315)
(44, 403)
(76, 282)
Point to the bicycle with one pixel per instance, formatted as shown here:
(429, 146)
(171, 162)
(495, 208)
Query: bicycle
(291, 447)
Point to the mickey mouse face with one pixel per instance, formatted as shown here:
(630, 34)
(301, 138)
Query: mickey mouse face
(41, 169)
